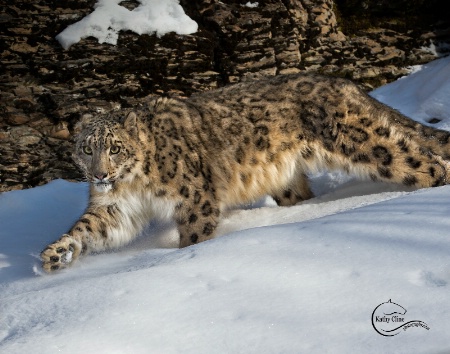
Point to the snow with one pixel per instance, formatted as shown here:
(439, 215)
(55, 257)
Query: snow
(302, 279)
(109, 18)
(251, 4)
(419, 97)
(438, 49)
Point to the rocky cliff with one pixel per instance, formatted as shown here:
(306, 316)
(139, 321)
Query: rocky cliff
(45, 88)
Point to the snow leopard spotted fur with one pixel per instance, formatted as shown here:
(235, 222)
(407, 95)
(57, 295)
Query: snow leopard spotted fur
(190, 159)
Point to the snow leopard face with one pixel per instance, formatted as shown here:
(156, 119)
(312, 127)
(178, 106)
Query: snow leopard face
(105, 149)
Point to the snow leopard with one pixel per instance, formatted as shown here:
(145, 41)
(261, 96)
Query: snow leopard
(189, 159)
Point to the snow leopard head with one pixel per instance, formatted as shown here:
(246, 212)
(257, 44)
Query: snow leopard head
(106, 148)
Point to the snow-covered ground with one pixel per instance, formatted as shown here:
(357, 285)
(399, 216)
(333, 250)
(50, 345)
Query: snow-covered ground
(303, 279)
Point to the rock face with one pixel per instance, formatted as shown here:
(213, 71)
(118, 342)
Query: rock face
(45, 88)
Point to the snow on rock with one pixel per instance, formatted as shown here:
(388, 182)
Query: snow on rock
(302, 279)
(420, 97)
(109, 18)
(251, 4)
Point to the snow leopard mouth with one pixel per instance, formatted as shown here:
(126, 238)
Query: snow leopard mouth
(103, 186)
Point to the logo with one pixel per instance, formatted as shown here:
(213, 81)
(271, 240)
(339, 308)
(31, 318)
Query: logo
(388, 319)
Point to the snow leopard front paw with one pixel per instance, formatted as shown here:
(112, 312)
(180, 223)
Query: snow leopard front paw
(61, 253)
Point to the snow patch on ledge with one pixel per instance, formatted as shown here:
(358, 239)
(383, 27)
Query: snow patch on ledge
(109, 18)
(251, 4)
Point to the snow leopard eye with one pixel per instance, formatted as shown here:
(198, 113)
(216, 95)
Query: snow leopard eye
(114, 149)
(87, 150)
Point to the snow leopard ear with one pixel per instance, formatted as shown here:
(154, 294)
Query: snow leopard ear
(82, 123)
(130, 124)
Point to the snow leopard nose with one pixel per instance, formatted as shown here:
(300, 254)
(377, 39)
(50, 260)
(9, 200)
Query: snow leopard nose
(100, 176)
